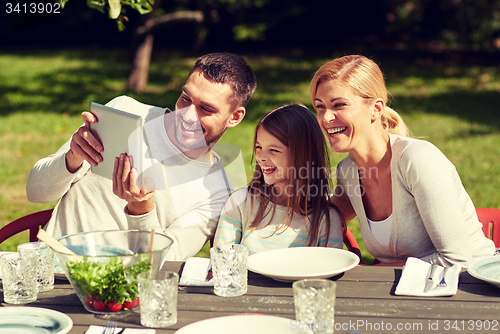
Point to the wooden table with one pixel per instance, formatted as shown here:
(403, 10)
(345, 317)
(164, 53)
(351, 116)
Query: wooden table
(365, 302)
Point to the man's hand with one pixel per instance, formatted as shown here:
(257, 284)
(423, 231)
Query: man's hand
(84, 146)
(140, 201)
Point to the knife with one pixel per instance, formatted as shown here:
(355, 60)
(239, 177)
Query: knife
(429, 283)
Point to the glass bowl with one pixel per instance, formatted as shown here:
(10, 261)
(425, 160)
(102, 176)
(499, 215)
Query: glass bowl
(104, 271)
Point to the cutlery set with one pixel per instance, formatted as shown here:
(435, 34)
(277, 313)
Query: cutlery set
(111, 327)
(430, 283)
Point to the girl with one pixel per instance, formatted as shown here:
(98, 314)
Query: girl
(287, 202)
(407, 195)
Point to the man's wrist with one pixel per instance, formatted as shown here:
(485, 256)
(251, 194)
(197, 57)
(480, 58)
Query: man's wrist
(140, 208)
(73, 163)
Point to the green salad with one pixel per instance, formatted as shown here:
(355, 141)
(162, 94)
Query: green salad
(108, 285)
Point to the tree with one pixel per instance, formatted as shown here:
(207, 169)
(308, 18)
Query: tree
(464, 24)
(247, 21)
(142, 44)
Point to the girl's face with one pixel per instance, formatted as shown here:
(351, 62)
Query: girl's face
(344, 117)
(273, 158)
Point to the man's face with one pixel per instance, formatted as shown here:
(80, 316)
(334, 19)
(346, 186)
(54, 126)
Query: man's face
(203, 112)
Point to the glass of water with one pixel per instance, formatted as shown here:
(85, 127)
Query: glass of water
(44, 258)
(314, 301)
(229, 268)
(158, 296)
(18, 278)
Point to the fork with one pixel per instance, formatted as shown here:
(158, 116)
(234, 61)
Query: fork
(110, 327)
(442, 283)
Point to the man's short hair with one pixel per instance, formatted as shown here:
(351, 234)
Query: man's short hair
(229, 68)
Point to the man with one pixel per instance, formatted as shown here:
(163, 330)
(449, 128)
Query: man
(190, 183)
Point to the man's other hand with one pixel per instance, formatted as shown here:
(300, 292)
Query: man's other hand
(140, 201)
(84, 146)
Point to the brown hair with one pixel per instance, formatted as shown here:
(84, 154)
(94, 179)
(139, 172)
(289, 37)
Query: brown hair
(366, 80)
(228, 68)
(296, 127)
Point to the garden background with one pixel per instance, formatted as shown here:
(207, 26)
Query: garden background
(441, 61)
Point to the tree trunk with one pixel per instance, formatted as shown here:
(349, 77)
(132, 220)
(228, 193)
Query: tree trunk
(142, 44)
(138, 77)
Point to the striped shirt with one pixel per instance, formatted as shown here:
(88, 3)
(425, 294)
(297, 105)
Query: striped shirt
(235, 220)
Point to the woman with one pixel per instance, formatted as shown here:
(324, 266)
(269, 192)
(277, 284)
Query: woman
(407, 195)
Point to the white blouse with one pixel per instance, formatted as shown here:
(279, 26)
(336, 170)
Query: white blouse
(381, 230)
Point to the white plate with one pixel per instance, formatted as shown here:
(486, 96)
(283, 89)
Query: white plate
(33, 320)
(245, 324)
(487, 269)
(296, 263)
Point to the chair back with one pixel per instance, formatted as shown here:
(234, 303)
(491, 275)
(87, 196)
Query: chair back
(490, 218)
(351, 243)
(32, 222)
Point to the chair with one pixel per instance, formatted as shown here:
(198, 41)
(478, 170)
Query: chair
(490, 218)
(351, 243)
(32, 222)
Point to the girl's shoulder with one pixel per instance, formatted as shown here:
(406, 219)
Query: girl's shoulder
(334, 214)
(239, 195)
(236, 199)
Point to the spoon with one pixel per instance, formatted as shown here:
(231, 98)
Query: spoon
(56, 245)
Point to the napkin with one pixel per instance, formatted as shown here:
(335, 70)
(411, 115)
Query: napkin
(414, 277)
(99, 329)
(195, 272)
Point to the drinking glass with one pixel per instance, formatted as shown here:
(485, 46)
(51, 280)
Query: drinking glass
(229, 267)
(315, 304)
(44, 258)
(18, 278)
(158, 296)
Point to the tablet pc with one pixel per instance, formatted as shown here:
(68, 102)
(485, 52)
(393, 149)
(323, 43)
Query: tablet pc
(119, 132)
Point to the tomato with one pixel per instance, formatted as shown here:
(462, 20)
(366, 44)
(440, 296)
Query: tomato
(137, 302)
(89, 301)
(130, 304)
(99, 305)
(114, 306)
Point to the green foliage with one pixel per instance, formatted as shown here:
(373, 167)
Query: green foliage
(254, 33)
(471, 23)
(116, 10)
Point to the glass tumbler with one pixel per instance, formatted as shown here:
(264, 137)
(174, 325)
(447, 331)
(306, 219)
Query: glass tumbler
(229, 268)
(18, 278)
(44, 263)
(158, 296)
(314, 301)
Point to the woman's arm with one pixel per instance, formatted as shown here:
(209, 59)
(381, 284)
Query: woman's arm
(440, 198)
(342, 202)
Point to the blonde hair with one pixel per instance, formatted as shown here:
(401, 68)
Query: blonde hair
(366, 80)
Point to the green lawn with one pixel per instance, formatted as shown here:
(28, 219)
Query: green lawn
(43, 93)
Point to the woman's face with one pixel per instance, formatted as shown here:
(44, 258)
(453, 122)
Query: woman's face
(273, 158)
(344, 117)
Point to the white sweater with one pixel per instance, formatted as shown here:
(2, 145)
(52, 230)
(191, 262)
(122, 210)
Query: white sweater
(188, 202)
(433, 217)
